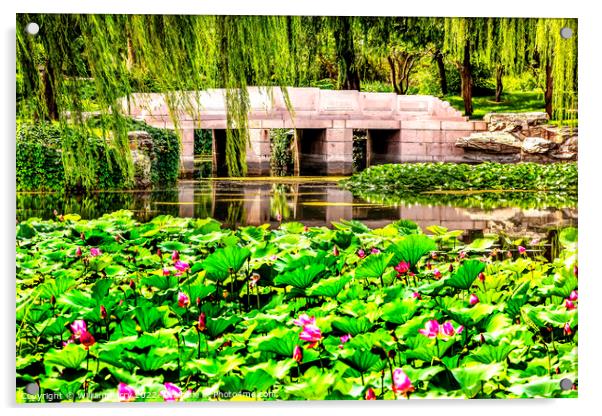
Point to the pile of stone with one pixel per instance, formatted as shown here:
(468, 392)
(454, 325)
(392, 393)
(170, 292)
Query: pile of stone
(141, 147)
(515, 137)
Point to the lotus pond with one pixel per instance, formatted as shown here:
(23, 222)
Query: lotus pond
(174, 309)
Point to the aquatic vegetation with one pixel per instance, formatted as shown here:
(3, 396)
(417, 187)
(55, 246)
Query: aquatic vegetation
(421, 177)
(178, 309)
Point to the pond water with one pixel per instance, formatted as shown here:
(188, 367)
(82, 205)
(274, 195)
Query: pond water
(315, 201)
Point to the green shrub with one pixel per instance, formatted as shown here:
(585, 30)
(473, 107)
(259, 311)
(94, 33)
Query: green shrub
(39, 165)
(38, 158)
(202, 142)
(281, 163)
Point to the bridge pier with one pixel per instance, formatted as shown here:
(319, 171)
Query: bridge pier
(326, 151)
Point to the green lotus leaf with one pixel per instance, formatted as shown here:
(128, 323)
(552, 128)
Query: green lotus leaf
(466, 274)
(70, 356)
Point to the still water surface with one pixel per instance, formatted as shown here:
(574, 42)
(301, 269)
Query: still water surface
(314, 201)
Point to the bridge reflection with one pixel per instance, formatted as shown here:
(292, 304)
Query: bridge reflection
(312, 201)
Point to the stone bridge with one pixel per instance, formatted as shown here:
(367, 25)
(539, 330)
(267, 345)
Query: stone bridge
(399, 128)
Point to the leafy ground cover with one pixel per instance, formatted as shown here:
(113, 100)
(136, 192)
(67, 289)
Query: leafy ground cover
(181, 309)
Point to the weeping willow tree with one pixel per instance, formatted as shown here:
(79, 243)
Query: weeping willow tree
(558, 58)
(116, 55)
(510, 45)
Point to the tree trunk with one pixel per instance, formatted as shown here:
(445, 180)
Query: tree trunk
(499, 86)
(47, 73)
(349, 78)
(549, 89)
(131, 55)
(393, 74)
(442, 75)
(466, 77)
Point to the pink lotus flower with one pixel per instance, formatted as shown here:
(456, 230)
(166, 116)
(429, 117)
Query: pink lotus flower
(175, 255)
(103, 312)
(181, 266)
(273, 257)
(361, 253)
(335, 251)
(344, 339)
(304, 319)
(401, 382)
(95, 252)
(78, 327)
(126, 393)
(311, 333)
(569, 304)
(462, 254)
(297, 354)
(521, 250)
(416, 295)
(278, 217)
(402, 268)
(431, 329)
(474, 299)
(173, 393)
(447, 330)
(202, 322)
(370, 395)
(183, 300)
(375, 251)
(567, 329)
(573, 296)
(166, 271)
(78, 252)
(437, 274)
(87, 339)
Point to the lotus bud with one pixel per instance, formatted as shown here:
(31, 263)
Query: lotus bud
(370, 395)
(573, 296)
(521, 250)
(132, 285)
(567, 329)
(335, 251)
(569, 304)
(482, 277)
(175, 255)
(202, 322)
(103, 312)
(297, 354)
(78, 252)
(474, 299)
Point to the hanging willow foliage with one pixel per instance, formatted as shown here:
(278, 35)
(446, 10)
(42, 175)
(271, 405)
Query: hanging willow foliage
(79, 59)
(121, 54)
(516, 43)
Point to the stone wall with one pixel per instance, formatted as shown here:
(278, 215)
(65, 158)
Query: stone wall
(516, 137)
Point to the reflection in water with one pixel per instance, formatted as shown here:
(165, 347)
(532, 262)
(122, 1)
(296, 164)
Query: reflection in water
(313, 202)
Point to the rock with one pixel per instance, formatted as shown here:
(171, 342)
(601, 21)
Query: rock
(496, 142)
(537, 145)
(140, 140)
(514, 122)
(142, 169)
(567, 150)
